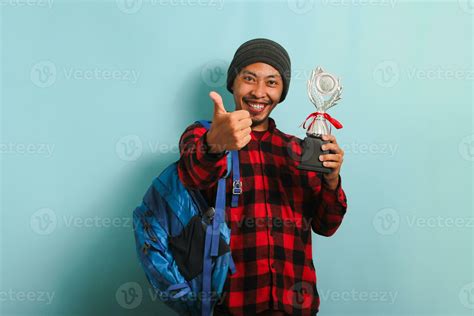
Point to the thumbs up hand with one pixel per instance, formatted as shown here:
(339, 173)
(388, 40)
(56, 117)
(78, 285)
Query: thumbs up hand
(229, 130)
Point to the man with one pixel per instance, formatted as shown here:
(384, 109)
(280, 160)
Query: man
(280, 204)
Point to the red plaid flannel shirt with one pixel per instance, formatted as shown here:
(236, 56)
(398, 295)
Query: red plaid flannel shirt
(271, 227)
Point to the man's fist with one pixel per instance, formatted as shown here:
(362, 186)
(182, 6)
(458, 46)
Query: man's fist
(229, 130)
(332, 160)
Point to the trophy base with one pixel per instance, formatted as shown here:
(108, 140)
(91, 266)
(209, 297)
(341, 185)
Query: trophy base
(311, 152)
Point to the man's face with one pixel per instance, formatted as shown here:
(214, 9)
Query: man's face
(257, 89)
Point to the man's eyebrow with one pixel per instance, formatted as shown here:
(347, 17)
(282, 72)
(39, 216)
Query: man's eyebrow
(248, 72)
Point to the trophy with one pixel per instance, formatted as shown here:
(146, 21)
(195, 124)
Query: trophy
(324, 91)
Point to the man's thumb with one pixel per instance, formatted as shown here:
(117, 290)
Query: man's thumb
(218, 104)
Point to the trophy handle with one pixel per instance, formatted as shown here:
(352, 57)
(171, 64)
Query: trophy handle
(334, 98)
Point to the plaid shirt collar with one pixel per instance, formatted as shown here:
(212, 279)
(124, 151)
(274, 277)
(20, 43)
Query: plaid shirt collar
(271, 129)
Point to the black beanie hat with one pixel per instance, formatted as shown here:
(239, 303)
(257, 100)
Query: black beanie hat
(265, 51)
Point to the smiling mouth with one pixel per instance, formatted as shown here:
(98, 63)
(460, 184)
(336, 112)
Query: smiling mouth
(256, 106)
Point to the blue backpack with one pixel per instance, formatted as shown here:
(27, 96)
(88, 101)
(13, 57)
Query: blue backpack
(183, 244)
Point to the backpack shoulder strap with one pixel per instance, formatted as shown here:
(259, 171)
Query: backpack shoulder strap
(212, 231)
(236, 182)
(232, 160)
(205, 123)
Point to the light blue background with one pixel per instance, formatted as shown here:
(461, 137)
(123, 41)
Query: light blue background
(407, 135)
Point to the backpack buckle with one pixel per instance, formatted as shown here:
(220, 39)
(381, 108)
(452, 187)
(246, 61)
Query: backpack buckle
(237, 187)
(209, 214)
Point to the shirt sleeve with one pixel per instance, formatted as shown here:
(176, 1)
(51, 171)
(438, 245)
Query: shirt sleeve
(330, 207)
(197, 168)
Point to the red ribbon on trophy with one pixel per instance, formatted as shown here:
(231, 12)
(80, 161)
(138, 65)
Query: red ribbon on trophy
(328, 117)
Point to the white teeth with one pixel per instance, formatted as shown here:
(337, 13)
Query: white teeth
(256, 106)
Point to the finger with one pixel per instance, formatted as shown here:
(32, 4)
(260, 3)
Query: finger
(331, 164)
(243, 124)
(330, 138)
(218, 104)
(246, 140)
(330, 157)
(245, 132)
(332, 147)
(241, 114)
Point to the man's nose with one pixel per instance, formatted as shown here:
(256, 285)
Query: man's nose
(260, 89)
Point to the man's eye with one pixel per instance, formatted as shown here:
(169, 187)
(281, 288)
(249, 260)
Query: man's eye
(248, 78)
(272, 82)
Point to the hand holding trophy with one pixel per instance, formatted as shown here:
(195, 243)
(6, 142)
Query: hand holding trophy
(324, 91)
